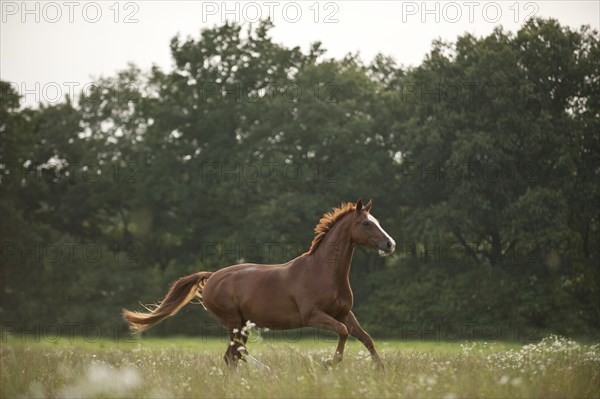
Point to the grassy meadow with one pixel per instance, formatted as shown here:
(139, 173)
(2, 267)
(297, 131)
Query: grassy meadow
(192, 368)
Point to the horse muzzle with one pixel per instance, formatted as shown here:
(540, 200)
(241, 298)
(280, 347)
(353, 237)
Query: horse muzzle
(386, 247)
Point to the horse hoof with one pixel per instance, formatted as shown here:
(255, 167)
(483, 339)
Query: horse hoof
(379, 366)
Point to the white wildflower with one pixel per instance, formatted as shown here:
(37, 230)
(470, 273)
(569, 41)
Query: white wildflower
(430, 380)
(516, 381)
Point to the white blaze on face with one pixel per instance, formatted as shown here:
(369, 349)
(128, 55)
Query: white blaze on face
(376, 223)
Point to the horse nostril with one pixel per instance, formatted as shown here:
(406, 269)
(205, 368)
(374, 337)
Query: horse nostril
(389, 245)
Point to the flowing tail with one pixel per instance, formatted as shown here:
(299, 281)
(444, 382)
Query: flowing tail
(181, 292)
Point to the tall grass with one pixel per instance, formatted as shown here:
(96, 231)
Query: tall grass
(555, 367)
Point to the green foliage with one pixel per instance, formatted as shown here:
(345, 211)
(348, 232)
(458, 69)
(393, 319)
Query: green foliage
(483, 163)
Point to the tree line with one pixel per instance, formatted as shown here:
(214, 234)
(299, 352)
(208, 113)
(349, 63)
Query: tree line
(483, 163)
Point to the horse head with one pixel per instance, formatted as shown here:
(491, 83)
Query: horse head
(366, 230)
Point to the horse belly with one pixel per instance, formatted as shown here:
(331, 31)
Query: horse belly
(276, 314)
(269, 304)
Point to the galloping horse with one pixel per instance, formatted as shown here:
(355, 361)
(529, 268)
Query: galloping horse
(312, 290)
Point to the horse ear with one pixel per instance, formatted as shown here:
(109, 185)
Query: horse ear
(359, 205)
(368, 206)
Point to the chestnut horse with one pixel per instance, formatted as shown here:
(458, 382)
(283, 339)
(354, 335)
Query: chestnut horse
(312, 290)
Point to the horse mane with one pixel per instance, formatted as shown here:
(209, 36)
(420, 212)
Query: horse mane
(326, 223)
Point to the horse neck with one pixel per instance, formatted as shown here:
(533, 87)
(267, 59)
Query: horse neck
(333, 256)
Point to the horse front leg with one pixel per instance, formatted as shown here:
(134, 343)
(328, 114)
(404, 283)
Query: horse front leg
(357, 332)
(322, 320)
(339, 352)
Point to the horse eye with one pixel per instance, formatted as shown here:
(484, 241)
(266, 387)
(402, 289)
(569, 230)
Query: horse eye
(365, 223)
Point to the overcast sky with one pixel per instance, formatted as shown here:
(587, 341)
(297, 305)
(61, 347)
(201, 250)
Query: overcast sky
(52, 47)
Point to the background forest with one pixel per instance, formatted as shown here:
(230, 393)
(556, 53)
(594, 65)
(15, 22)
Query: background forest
(483, 163)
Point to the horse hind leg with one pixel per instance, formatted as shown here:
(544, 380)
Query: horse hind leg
(237, 350)
(235, 346)
(246, 355)
(257, 363)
